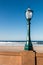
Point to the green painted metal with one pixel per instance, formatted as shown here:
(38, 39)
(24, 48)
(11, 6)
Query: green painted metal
(28, 45)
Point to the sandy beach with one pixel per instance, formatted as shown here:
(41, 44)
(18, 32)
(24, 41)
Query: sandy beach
(11, 48)
(19, 46)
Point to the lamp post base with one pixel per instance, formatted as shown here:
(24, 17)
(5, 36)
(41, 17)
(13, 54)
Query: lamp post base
(28, 47)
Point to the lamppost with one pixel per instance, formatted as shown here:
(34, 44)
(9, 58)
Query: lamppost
(28, 45)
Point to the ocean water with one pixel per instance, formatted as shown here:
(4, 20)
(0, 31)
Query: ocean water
(20, 43)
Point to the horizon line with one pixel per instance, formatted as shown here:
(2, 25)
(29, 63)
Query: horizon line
(20, 40)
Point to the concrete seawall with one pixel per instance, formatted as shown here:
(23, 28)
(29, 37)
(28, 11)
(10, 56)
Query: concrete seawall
(17, 58)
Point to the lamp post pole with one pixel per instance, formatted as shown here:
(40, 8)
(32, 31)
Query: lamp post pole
(28, 35)
(28, 45)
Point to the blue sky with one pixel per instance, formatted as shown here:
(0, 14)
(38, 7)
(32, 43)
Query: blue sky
(13, 22)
